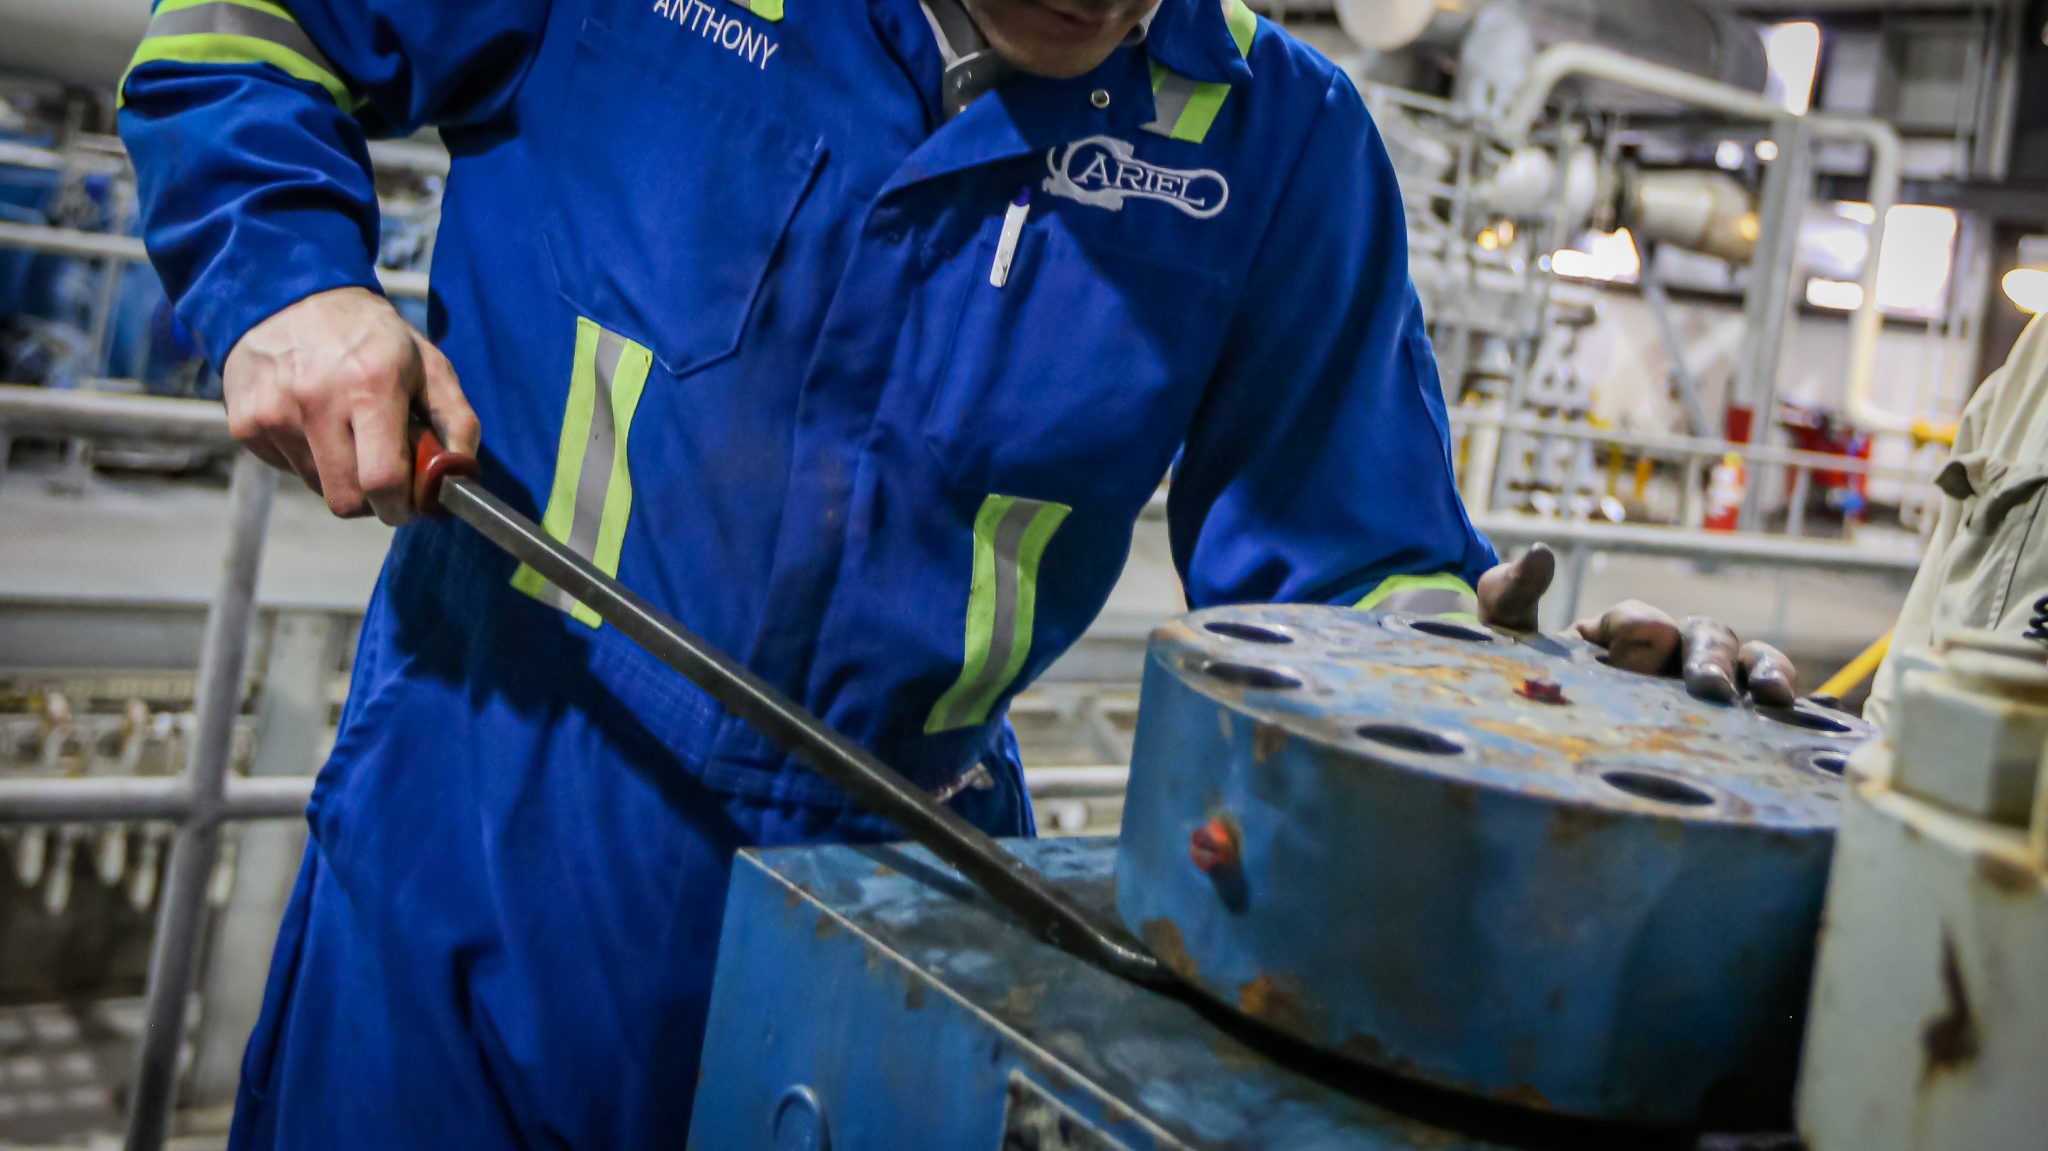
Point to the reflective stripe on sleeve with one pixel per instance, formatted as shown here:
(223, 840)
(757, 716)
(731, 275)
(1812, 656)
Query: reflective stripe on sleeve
(1184, 109)
(1010, 535)
(592, 494)
(237, 32)
(1439, 595)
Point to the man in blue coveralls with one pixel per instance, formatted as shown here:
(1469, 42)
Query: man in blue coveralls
(855, 334)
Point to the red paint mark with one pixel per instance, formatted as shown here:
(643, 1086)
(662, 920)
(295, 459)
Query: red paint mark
(1542, 691)
(1213, 846)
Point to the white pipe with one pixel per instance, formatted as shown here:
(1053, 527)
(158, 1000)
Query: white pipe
(1559, 62)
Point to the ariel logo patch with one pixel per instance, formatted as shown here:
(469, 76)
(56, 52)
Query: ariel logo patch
(1103, 172)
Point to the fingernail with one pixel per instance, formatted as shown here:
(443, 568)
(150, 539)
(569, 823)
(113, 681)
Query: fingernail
(1710, 683)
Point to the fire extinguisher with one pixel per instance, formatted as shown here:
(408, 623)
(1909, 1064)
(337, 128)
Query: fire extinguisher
(1724, 493)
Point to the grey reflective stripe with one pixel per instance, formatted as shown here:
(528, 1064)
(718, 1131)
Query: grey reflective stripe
(1003, 636)
(1010, 538)
(1169, 100)
(235, 20)
(594, 479)
(1429, 601)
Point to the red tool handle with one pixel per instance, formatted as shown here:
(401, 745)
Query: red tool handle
(432, 462)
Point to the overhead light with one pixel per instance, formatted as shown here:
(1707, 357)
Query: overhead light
(1728, 155)
(1767, 150)
(1835, 295)
(1609, 257)
(1913, 270)
(1792, 54)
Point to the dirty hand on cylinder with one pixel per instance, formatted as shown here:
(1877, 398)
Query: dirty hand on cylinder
(326, 389)
(1715, 665)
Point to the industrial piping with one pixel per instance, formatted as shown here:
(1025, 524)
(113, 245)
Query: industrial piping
(1560, 62)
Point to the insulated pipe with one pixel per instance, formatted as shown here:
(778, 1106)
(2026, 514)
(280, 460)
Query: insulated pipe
(1557, 63)
(1681, 33)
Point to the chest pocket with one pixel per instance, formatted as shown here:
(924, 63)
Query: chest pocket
(2000, 561)
(669, 197)
(1082, 370)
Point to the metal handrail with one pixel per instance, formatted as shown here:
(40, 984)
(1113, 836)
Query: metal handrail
(1689, 447)
(51, 241)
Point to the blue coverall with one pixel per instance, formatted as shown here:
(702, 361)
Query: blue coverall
(721, 281)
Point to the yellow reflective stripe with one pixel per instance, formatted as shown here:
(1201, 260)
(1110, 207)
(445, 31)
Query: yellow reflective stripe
(591, 497)
(1185, 109)
(1010, 537)
(277, 10)
(1243, 24)
(1422, 594)
(1200, 112)
(236, 32)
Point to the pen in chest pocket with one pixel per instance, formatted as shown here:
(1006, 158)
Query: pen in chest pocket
(1006, 243)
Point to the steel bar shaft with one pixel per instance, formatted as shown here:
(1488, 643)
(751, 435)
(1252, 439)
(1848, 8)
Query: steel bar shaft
(873, 784)
(182, 914)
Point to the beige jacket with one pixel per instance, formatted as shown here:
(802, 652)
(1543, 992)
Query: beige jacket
(1987, 562)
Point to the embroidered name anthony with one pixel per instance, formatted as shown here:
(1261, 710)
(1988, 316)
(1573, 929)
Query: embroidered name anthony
(726, 29)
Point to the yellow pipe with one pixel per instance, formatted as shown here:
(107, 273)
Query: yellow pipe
(1858, 669)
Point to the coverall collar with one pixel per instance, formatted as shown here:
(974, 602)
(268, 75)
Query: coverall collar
(1192, 37)
(1027, 114)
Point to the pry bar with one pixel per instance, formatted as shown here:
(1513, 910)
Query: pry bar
(445, 482)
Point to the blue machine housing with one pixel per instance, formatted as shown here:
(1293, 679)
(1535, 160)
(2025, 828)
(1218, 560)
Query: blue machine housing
(1497, 867)
(869, 999)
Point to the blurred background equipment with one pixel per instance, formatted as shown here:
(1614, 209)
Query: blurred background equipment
(1708, 284)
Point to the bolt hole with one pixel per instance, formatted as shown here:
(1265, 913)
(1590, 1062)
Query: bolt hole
(1656, 788)
(1451, 629)
(1832, 762)
(1413, 739)
(1800, 717)
(1249, 632)
(1246, 675)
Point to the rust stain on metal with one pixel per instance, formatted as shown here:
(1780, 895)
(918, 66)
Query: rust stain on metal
(1571, 822)
(913, 996)
(1573, 747)
(1442, 676)
(1266, 997)
(2007, 874)
(1162, 938)
(791, 897)
(827, 927)
(1949, 1041)
(1520, 1095)
(1267, 738)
